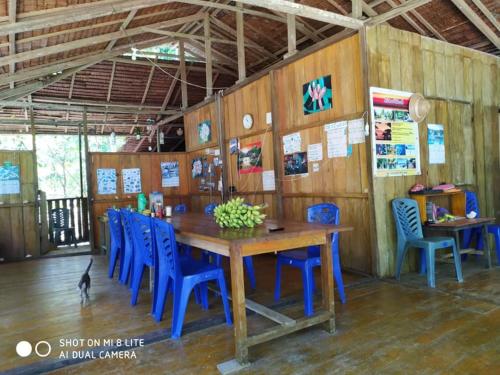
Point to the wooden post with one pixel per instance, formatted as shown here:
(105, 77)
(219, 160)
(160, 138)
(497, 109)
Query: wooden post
(208, 55)
(35, 183)
(219, 113)
(278, 166)
(89, 181)
(292, 35)
(80, 158)
(240, 43)
(327, 284)
(182, 67)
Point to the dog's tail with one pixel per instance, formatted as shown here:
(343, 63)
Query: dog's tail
(90, 264)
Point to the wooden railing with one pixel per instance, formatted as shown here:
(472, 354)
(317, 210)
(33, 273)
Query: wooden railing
(78, 215)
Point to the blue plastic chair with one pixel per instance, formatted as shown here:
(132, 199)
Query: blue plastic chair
(181, 276)
(472, 204)
(180, 208)
(208, 256)
(306, 260)
(409, 233)
(128, 253)
(144, 251)
(116, 241)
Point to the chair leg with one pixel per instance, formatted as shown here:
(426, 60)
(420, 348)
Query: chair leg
(112, 261)
(181, 298)
(495, 230)
(223, 292)
(127, 259)
(203, 290)
(458, 263)
(161, 297)
(250, 271)
(399, 260)
(307, 276)
(423, 266)
(337, 272)
(155, 288)
(429, 256)
(277, 282)
(136, 283)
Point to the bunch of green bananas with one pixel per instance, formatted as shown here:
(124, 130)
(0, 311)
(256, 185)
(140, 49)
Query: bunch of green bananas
(235, 214)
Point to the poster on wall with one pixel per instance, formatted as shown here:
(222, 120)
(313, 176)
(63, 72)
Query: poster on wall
(250, 158)
(317, 95)
(295, 164)
(10, 182)
(292, 143)
(169, 173)
(395, 140)
(204, 132)
(435, 140)
(106, 181)
(197, 168)
(234, 146)
(336, 139)
(131, 180)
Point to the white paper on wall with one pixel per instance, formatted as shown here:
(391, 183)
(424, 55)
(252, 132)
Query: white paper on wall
(292, 143)
(336, 136)
(356, 131)
(268, 181)
(315, 152)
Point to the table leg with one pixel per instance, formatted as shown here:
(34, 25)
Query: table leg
(239, 311)
(327, 282)
(486, 245)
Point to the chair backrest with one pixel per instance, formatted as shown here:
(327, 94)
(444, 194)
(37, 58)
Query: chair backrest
(209, 209)
(471, 203)
(168, 256)
(127, 226)
(115, 226)
(325, 213)
(180, 208)
(407, 217)
(143, 237)
(60, 218)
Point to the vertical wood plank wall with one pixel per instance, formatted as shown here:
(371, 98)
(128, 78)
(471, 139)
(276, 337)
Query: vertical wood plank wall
(463, 87)
(18, 211)
(149, 163)
(344, 181)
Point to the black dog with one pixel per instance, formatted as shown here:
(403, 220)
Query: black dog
(84, 284)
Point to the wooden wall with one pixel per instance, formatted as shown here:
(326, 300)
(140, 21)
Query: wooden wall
(149, 163)
(462, 85)
(344, 181)
(18, 212)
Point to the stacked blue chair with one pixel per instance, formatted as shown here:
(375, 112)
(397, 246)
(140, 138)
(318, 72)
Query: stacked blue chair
(181, 276)
(217, 258)
(116, 241)
(180, 208)
(144, 252)
(409, 233)
(128, 253)
(306, 260)
(472, 204)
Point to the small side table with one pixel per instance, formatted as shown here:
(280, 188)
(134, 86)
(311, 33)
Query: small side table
(458, 225)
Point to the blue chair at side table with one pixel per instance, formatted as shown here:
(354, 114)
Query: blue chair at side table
(409, 233)
(144, 252)
(128, 253)
(306, 260)
(182, 276)
(217, 258)
(472, 204)
(180, 208)
(116, 241)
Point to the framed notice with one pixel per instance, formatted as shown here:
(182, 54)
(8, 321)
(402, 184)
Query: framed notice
(395, 140)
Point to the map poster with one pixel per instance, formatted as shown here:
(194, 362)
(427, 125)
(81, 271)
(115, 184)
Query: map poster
(395, 139)
(106, 181)
(131, 180)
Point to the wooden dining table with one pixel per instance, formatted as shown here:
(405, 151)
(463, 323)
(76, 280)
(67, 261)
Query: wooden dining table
(201, 231)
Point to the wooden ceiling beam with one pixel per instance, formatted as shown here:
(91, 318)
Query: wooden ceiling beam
(123, 26)
(94, 40)
(240, 40)
(477, 22)
(77, 13)
(88, 102)
(306, 11)
(12, 9)
(357, 9)
(396, 12)
(111, 79)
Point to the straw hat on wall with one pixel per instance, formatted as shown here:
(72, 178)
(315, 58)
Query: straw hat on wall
(419, 107)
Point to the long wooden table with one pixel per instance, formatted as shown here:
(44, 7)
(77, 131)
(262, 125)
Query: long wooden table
(201, 231)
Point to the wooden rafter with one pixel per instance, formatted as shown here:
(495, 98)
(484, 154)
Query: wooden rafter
(357, 9)
(240, 40)
(397, 11)
(123, 26)
(487, 13)
(111, 79)
(477, 22)
(208, 56)
(183, 74)
(12, 9)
